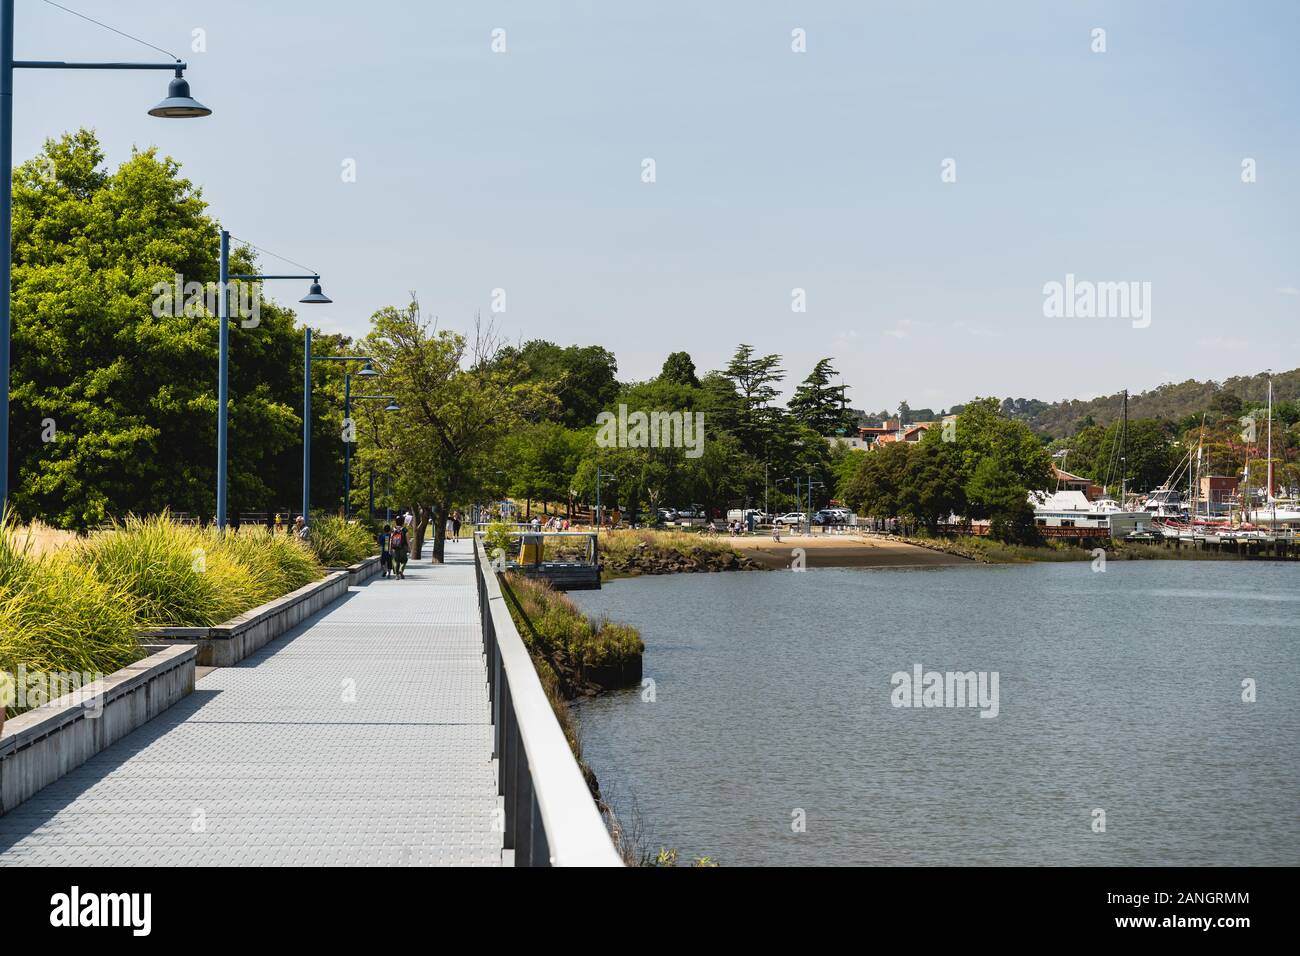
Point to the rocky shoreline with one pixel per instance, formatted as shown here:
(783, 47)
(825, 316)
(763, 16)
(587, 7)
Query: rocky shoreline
(643, 560)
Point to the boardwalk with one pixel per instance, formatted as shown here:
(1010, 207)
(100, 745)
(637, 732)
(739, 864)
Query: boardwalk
(362, 737)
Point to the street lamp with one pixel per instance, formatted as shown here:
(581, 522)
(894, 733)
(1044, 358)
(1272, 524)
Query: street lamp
(599, 513)
(368, 370)
(179, 104)
(314, 296)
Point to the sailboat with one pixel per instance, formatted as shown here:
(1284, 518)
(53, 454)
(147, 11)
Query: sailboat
(1272, 514)
(1072, 509)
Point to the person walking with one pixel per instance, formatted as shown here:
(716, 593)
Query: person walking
(455, 525)
(400, 545)
(385, 555)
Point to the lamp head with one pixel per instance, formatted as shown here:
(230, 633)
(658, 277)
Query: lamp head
(315, 296)
(368, 370)
(179, 104)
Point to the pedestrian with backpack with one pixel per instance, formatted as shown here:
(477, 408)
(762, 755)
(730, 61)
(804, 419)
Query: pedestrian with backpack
(385, 555)
(400, 545)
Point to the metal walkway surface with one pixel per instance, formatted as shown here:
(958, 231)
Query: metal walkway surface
(361, 737)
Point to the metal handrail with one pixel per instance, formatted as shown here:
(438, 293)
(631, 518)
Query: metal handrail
(550, 816)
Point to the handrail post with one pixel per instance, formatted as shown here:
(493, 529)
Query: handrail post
(523, 793)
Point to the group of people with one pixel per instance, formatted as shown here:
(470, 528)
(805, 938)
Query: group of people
(298, 529)
(395, 547)
(554, 523)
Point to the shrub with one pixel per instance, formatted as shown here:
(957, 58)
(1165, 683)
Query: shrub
(279, 563)
(500, 536)
(78, 608)
(553, 621)
(57, 615)
(181, 576)
(338, 543)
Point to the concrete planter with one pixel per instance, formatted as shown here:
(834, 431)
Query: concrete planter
(47, 742)
(229, 643)
(361, 572)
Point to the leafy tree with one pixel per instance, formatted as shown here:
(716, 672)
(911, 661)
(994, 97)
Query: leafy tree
(583, 378)
(994, 492)
(540, 459)
(819, 405)
(877, 488)
(679, 369)
(755, 379)
(443, 443)
(932, 487)
(114, 395)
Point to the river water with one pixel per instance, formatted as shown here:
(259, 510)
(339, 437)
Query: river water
(770, 734)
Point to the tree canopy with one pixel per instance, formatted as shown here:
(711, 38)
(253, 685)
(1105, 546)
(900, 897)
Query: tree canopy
(113, 398)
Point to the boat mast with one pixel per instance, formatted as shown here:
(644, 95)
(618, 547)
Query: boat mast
(1123, 452)
(1270, 437)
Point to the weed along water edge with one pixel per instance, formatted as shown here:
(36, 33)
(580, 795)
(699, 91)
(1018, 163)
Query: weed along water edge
(769, 729)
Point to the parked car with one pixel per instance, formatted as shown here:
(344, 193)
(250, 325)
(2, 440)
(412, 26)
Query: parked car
(831, 516)
(666, 514)
(743, 515)
(689, 512)
(789, 519)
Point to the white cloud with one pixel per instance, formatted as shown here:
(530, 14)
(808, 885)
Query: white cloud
(974, 328)
(1227, 344)
(902, 328)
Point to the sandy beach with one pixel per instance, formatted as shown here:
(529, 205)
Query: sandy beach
(841, 551)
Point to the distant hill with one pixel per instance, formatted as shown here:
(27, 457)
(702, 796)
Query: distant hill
(1171, 401)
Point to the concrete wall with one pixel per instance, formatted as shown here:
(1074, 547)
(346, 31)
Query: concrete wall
(230, 643)
(361, 572)
(41, 745)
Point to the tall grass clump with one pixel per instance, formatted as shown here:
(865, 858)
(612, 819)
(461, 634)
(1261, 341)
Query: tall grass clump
(279, 563)
(622, 543)
(178, 573)
(554, 622)
(337, 542)
(58, 616)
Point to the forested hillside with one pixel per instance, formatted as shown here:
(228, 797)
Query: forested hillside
(1179, 403)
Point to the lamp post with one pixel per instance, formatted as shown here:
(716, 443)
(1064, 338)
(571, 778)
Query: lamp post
(599, 512)
(367, 371)
(314, 296)
(178, 105)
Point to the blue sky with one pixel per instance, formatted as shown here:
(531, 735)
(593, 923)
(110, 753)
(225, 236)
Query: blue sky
(775, 170)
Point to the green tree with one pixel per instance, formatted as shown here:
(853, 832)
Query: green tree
(540, 460)
(754, 379)
(819, 405)
(582, 378)
(932, 488)
(113, 391)
(679, 370)
(994, 492)
(455, 411)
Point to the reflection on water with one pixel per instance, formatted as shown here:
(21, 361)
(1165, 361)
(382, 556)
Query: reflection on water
(1119, 691)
